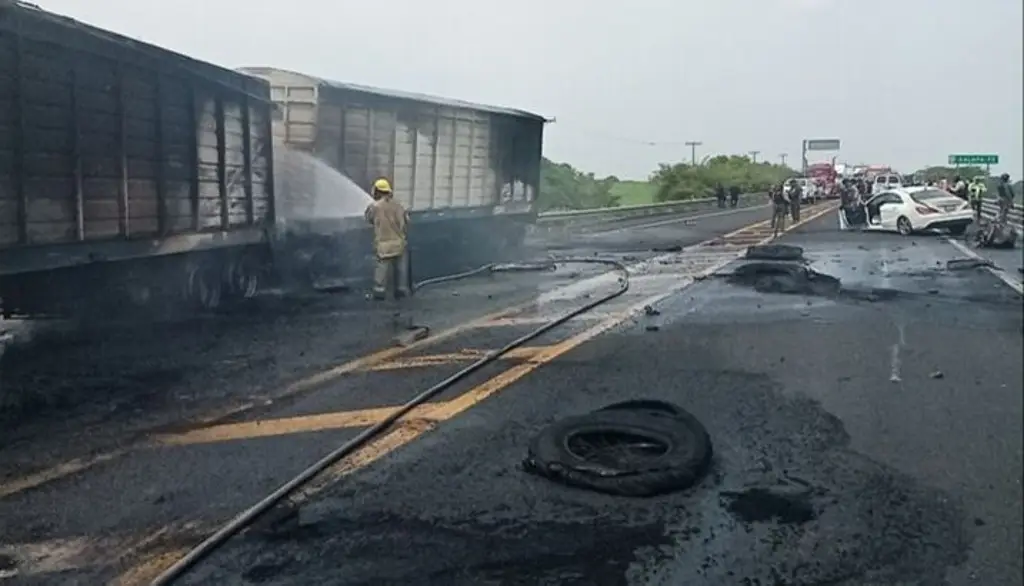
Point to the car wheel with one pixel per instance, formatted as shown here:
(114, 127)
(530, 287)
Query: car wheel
(904, 226)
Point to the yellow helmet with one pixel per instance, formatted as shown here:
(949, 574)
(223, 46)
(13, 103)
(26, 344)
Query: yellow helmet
(382, 185)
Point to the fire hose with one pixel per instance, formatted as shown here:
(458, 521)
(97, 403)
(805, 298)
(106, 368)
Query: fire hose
(249, 516)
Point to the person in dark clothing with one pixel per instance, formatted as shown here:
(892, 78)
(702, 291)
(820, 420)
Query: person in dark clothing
(720, 195)
(780, 203)
(796, 196)
(1004, 192)
(734, 196)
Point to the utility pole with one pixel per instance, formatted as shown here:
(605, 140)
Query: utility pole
(693, 144)
(753, 155)
(782, 157)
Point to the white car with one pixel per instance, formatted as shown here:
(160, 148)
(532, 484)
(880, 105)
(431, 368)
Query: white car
(908, 210)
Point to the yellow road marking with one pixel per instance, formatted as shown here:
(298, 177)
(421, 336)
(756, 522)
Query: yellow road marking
(464, 355)
(71, 467)
(404, 432)
(282, 426)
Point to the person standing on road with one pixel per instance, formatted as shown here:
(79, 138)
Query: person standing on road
(977, 191)
(390, 224)
(720, 195)
(734, 196)
(780, 201)
(796, 195)
(1005, 192)
(960, 188)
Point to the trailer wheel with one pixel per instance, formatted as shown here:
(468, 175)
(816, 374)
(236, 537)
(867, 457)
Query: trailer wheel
(204, 287)
(243, 278)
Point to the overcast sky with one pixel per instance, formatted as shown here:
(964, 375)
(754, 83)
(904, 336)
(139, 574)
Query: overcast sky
(903, 82)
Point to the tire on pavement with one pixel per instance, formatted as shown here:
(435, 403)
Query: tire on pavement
(645, 405)
(774, 252)
(673, 452)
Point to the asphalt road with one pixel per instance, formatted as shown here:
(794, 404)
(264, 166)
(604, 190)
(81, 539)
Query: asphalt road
(139, 439)
(898, 404)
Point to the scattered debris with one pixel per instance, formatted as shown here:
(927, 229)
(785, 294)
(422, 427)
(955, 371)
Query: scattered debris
(648, 310)
(784, 277)
(774, 252)
(652, 328)
(758, 505)
(412, 334)
(8, 566)
(635, 448)
(938, 374)
(968, 263)
(673, 248)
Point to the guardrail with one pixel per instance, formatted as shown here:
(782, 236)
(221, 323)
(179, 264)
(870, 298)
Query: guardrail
(990, 207)
(641, 210)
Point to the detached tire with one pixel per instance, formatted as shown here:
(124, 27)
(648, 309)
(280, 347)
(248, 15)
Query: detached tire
(651, 452)
(645, 405)
(774, 252)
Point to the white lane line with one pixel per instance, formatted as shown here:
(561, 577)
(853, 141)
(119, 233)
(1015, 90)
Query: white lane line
(1002, 275)
(678, 220)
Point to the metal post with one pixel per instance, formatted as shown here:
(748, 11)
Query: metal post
(803, 157)
(222, 162)
(782, 157)
(753, 156)
(76, 150)
(122, 155)
(693, 144)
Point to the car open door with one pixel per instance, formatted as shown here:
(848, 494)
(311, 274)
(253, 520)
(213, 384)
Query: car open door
(890, 208)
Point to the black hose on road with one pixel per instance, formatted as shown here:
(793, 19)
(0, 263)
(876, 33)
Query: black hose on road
(250, 515)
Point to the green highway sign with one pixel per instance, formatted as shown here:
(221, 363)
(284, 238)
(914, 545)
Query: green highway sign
(821, 144)
(973, 160)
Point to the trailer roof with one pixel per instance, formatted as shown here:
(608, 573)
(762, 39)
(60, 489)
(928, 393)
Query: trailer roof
(215, 74)
(401, 95)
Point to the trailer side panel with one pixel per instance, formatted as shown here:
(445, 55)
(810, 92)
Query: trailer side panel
(105, 142)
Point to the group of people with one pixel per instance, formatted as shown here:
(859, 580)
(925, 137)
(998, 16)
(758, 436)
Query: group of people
(787, 198)
(974, 191)
(733, 193)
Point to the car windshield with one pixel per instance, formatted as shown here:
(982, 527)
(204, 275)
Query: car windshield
(894, 180)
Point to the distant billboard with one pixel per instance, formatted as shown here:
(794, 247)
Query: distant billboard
(822, 144)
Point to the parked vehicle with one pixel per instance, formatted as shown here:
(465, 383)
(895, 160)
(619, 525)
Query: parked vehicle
(131, 174)
(908, 210)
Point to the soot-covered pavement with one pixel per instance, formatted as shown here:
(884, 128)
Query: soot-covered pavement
(859, 440)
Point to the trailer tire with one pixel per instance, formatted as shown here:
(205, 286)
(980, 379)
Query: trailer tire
(243, 277)
(204, 286)
(682, 443)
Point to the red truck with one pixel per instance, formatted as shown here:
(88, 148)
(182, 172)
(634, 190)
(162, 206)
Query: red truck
(825, 176)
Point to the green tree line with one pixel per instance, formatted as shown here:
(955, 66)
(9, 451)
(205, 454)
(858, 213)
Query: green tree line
(564, 187)
(683, 181)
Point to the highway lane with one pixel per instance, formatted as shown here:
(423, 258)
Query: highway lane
(258, 375)
(902, 410)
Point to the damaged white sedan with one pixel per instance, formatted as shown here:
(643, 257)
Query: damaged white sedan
(908, 210)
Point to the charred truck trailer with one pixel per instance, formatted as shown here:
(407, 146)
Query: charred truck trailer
(468, 173)
(127, 172)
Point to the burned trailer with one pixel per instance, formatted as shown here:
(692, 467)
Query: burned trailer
(468, 173)
(127, 171)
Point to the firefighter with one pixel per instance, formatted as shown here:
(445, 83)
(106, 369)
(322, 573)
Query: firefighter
(1005, 193)
(390, 224)
(977, 191)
